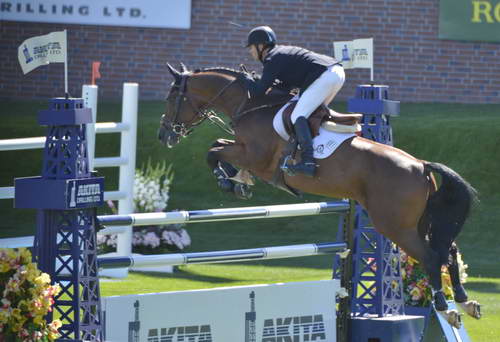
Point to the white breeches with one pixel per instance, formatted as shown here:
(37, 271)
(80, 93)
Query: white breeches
(323, 90)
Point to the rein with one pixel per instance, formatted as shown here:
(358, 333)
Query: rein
(239, 114)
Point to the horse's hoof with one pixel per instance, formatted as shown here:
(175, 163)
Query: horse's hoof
(472, 308)
(242, 191)
(225, 185)
(459, 294)
(440, 301)
(452, 317)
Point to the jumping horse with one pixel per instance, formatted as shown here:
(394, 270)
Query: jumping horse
(398, 191)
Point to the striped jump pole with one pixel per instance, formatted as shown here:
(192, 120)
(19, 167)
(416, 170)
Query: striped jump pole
(278, 252)
(228, 214)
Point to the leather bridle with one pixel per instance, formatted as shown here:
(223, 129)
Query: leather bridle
(201, 113)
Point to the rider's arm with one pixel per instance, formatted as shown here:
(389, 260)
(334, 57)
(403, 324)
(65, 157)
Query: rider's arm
(260, 87)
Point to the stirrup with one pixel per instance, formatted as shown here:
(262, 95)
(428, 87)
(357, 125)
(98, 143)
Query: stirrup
(307, 169)
(285, 165)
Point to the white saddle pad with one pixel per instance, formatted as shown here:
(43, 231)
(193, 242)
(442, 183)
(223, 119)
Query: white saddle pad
(324, 144)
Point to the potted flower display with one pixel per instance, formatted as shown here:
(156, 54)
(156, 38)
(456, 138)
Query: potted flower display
(27, 297)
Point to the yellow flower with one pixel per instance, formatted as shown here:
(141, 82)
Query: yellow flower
(16, 313)
(4, 267)
(11, 253)
(42, 279)
(31, 273)
(38, 320)
(4, 317)
(415, 293)
(52, 336)
(25, 255)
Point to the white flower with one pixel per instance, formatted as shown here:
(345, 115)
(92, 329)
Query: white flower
(150, 239)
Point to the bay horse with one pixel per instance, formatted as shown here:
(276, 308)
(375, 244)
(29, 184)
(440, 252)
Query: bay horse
(398, 191)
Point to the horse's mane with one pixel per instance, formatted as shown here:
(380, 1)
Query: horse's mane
(222, 70)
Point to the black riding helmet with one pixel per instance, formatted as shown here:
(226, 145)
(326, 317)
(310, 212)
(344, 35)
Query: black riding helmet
(261, 35)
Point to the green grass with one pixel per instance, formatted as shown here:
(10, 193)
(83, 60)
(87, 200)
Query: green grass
(464, 137)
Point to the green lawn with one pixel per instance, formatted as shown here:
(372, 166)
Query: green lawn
(465, 137)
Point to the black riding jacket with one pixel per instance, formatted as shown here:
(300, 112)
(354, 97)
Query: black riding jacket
(295, 67)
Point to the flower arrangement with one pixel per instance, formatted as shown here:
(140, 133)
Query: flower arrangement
(27, 297)
(151, 194)
(416, 288)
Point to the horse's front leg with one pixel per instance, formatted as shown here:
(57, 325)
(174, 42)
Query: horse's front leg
(220, 158)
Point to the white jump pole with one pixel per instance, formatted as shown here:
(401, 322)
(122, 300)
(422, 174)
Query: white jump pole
(89, 95)
(127, 172)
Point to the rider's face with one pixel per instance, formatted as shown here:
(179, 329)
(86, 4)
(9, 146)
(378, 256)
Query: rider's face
(252, 49)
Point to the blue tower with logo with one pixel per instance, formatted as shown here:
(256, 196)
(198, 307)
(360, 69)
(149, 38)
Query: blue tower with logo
(66, 196)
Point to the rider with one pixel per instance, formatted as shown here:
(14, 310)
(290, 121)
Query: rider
(319, 78)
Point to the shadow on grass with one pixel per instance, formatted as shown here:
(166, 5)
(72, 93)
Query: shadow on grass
(483, 286)
(187, 275)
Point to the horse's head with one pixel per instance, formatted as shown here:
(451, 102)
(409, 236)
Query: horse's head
(192, 96)
(180, 115)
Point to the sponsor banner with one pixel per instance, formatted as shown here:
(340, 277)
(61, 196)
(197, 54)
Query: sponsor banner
(149, 13)
(302, 311)
(42, 50)
(476, 20)
(353, 54)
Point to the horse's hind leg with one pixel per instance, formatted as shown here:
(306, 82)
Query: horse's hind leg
(471, 307)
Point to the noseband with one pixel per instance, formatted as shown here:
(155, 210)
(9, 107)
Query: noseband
(200, 114)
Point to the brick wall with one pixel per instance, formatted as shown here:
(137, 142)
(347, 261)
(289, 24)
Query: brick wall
(408, 55)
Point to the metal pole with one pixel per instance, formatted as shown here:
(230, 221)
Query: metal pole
(278, 252)
(228, 214)
(89, 95)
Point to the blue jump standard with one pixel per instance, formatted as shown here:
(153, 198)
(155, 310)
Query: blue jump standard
(210, 215)
(278, 252)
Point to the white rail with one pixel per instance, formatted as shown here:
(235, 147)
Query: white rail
(39, 142)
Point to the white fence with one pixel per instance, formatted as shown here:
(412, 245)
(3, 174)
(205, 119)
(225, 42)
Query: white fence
(125, 161)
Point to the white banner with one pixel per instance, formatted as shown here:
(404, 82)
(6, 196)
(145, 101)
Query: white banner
(146, 13)
(302, 311)
(42, 50)
(353, 54)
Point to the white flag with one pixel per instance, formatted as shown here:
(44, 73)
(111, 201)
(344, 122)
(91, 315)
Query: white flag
(41, 50)
(353, 54)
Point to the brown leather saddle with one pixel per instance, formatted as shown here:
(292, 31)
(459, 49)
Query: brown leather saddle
(320, 115)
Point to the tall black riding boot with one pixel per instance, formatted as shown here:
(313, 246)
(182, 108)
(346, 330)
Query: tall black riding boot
(307, 165)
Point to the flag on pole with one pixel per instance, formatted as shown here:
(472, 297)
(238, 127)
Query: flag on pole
(42, 50)
(357, 53)
(95, 71)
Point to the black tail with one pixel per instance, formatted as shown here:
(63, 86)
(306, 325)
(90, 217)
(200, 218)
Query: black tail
(447, 208)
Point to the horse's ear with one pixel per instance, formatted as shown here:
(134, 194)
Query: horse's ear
(183, 68)
(174, 72)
